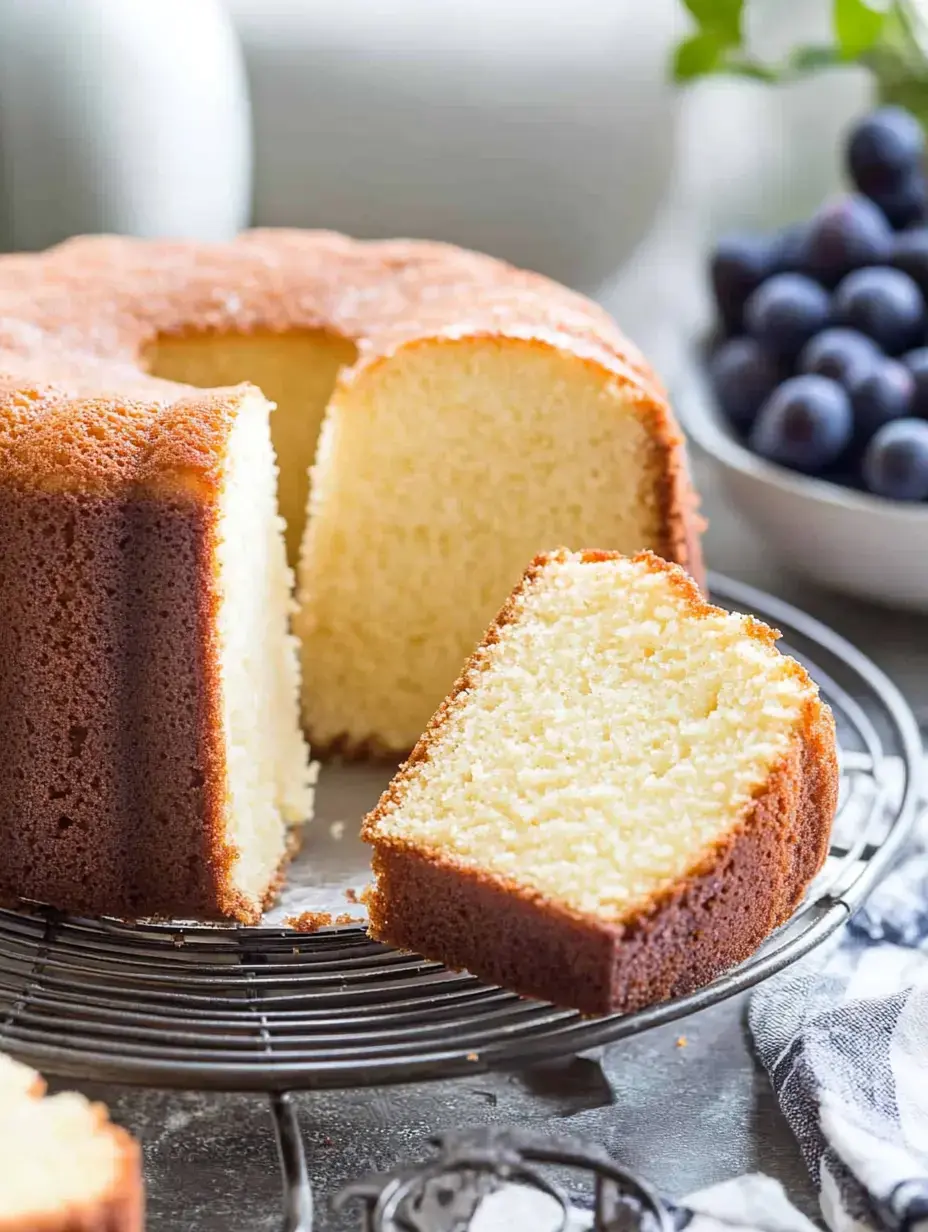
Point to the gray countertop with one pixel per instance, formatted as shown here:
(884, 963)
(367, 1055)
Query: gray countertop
(685, 1105)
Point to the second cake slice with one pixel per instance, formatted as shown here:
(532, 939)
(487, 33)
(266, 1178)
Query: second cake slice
(625, 792)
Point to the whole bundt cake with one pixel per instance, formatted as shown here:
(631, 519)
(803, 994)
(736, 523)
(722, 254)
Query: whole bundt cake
(459, 416)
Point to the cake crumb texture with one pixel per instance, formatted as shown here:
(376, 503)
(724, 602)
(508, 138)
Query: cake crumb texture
(458, 416)
(313, 921)
(439, 418)
(64, 1167)
(626, 791)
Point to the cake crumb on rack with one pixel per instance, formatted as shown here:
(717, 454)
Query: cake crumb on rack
(312, 921)
(682, 1041)
(351, 895)
(337, 830)
(309, 921)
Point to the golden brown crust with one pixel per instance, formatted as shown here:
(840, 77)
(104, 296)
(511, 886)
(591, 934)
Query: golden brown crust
(77, 409)
(113, 784)
(108, 485)
(745, 886)
(108, 297)
(120, 1208)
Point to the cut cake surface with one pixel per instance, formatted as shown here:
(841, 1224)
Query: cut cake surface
(466, 414)
(626, 792)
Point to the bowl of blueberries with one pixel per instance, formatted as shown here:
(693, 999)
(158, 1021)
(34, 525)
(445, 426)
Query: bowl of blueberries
(812, 396)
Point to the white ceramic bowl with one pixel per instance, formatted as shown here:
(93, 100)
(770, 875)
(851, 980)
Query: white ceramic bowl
(844, 539)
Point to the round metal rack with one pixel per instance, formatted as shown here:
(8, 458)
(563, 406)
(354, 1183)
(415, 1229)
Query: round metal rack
(274, 1010)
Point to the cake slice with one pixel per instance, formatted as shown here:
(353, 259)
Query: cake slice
(624, 793)
(152, 754)
(64, 1167)
(17, 1081)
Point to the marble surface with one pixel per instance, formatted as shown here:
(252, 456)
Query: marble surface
(685, 1105)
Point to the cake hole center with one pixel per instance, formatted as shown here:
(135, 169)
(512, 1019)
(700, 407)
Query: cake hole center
(296, 370)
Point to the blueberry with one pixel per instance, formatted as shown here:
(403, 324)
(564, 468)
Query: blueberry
(896, 461)
(884, 304)
(881, 396)
(910, 254)
(785, 311)
(844, 235)
(806, 424)
(787, 249)
(739, 264)
(743, 376)
(907, 203)
(844, 355)
(917, 363)
(882, 147)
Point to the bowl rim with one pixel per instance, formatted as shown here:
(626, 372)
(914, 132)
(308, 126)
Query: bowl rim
(702, 420)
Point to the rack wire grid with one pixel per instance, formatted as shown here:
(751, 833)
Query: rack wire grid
(274, 1010)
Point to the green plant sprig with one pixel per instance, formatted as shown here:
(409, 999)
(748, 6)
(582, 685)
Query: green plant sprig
(878, 35)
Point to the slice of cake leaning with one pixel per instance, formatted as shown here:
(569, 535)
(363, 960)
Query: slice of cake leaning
(625, 792)
(152, 756)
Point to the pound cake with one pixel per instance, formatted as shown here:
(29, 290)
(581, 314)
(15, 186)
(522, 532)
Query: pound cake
(624, 793)
(458, 415)
(17, 1081)
(152, 755)
(64, 1167)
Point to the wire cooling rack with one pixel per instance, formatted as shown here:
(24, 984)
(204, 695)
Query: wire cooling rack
(273, 1010)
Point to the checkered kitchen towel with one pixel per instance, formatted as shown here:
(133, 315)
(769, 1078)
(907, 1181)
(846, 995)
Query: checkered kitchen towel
(843, 1036)
(844, 1039)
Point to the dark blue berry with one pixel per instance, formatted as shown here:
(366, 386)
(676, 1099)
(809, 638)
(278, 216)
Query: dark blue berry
(910, 254)
(739, 264)
(743, 377)
(784, 313)
(896, 461)
(884, 304)
(787, 250)
(907, 203)
(805, 424)
(917, 363)
(882, 148)
(883, 395)
(845, 234)
(844, 355)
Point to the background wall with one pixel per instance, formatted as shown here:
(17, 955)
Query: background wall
(543, 131)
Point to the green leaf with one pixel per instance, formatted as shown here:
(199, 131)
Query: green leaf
(722, 17)
(810, 59)
(697, 56)
(703, 55)
(739, 66)
(858, 25)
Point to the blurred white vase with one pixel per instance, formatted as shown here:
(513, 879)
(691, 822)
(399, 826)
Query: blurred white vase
(539, 131)
(127, 116)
